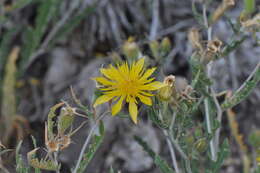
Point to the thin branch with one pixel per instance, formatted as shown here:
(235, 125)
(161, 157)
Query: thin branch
(155, 21)
(172, 152)
(178, 148)
(244, 90)
(88, 140)
(206, 101)
(219, 118)
(209, 129)
(249, 78)
(169, 142)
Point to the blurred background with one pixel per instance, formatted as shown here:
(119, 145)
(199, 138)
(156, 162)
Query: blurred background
(63, 43)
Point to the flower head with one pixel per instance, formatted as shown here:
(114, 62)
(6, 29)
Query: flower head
(130, 83)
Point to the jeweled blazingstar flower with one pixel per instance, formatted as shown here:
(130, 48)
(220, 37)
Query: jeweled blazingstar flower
(127, 82)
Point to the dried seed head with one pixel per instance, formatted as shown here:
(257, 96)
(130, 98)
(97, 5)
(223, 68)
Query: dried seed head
(64, 142)
(52, 146)
(213, 48)
(214, 45)
(252, 24)
(222, 8)
(195, 39)
(169, 80)
(42, 164)
(180, 84)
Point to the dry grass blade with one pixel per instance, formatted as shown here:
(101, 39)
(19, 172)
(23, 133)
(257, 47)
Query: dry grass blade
(239, 139)
(9, 101)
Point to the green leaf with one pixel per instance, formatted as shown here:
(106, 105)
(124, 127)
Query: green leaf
(50, 121)
(5, 47)
(233, 45)
(249, 6)
(37, 170)
(97, 140)
(111, 170)
(162, 164)
(101, 128)
(197, 15)
(244, 91)
(154, 117)
(34, 35)
(20, 166)
(201, 81)
(222, 155)
(73, 23)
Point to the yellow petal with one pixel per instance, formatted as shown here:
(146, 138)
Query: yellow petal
(145, 100)
(146, 93)
(137, 68)
(133, 110)
(102, 99)
(111, 73)
(148, 73)
(104, 81)
(117, 107)
(152, 86)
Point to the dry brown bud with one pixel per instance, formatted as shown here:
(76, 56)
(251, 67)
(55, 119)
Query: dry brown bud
(169, 80)
(212, 49)
(64, 142)
(222, 8)
(252, 24)
(195, 39)
(52, 146)
(214, 45)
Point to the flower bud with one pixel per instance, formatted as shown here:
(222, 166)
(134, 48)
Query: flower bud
(154, 46)
(201, 145)
(131, 49)
(165, 92)
(189, 140)
(166, 45)
(254, 138)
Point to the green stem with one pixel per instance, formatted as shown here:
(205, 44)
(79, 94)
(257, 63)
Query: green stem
(245, 89)
(209, 129)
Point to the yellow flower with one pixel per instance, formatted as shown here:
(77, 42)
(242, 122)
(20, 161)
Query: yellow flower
(129, 83)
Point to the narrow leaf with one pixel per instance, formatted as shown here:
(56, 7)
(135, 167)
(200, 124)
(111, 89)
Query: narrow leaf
(97, 140)
(162, 164)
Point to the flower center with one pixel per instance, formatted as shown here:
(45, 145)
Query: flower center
(129, 87)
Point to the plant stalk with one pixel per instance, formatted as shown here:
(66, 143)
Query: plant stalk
(88, 140)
